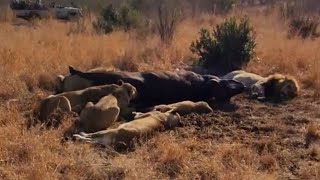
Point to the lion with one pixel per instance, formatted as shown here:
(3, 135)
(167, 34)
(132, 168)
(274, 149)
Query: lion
(146, 124)
(275, 87)
(73, 82)
(278, 87)
(76, 100)
(99, 116)
(68, 82)
(248, 79)
(102, 70)
(185, 107)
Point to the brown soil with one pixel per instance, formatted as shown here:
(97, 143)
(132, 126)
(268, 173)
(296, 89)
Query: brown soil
(278, 130)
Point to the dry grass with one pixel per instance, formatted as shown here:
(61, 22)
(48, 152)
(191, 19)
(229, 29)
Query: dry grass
(313, 134)
(31, 56)
(314, 151)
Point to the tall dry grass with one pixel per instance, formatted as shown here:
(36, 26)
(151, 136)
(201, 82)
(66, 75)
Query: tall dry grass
(31, 55)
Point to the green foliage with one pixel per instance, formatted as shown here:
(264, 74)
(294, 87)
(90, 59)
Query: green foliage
(107, 20)
(128, 17)
(303, 27)
(125, 17)
(229, 47)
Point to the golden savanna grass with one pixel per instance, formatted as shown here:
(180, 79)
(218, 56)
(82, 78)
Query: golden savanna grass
(32, 55)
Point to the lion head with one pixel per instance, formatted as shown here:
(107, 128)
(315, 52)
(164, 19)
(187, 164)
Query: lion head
(279, 87)
(203, 107)
(125, 93)
(173, 119)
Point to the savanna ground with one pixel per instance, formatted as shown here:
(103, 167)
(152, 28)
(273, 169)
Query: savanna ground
(244, 140)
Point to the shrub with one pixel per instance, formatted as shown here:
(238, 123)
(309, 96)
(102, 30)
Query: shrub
(303, 27)
(129, 18)
(107, 21)
(229, 47)
(124, 17)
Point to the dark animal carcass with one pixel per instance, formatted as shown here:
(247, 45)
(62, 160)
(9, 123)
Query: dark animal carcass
(161, 87)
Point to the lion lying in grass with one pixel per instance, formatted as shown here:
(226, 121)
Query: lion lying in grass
(276, 87)
(145, 124)
(68, 83)
(76, 100)
(97, 117)
(185, 107)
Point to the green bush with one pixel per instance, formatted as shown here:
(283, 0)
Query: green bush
(303, 27)
(229, 47)
(129, 18)
(107, 20)
(125, 17)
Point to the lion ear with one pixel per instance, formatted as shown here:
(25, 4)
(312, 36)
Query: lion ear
(120, 82)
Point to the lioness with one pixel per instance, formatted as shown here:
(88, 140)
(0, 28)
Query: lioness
(125, 133)
(97, 117)
(76, 100)
(276, 87)
(185, 107)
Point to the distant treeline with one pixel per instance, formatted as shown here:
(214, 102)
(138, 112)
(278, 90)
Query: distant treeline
(191, 7)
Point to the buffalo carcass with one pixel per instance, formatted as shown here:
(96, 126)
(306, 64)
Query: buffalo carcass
(157, 87)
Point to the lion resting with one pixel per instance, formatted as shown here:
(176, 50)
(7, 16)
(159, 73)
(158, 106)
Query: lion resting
(275, 87)
(76, 100)
(185, 107)
(69, 82)
(146, 124)
(99, 116)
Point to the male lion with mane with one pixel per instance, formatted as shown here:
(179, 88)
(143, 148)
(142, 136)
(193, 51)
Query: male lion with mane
(276, 87)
